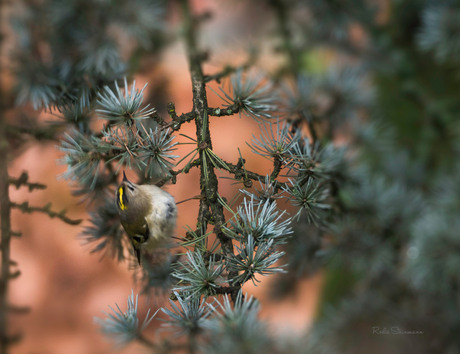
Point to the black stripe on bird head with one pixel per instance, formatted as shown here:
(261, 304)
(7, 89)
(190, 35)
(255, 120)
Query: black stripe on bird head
(128, 183)
(131, 186)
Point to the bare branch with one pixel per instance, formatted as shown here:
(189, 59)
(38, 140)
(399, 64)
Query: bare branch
(46, 209)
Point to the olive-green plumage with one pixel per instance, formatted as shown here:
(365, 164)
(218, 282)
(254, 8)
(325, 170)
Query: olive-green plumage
(147, 213)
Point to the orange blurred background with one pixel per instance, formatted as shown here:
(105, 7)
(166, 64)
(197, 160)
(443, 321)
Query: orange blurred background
(64, 285)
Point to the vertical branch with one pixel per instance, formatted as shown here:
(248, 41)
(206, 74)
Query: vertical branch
(5, 213)
(281, 11)
(5, 220)
(280, 8)
(211, 211)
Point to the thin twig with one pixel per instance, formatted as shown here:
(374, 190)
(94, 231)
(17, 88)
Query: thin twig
(228, 70)
(227, 111)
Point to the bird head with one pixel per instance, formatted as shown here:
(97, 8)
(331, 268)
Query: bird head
(126, 190)
(130, 202)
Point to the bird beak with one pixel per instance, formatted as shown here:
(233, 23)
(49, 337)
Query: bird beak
(124, 177)
(138, 254)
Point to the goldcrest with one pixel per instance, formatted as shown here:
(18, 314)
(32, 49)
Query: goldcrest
(147, 213)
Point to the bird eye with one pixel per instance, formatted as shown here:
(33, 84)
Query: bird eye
(138, 239)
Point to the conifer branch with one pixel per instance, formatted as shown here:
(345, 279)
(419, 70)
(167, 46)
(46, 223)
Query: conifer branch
(210, 208)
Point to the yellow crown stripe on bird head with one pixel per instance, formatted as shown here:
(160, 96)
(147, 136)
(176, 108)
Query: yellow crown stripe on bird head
(120, 198)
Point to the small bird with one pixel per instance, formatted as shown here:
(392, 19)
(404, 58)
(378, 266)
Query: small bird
(147, 213)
